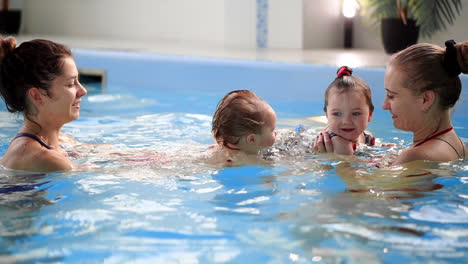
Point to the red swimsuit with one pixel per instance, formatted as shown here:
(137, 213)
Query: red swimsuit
(435, 136)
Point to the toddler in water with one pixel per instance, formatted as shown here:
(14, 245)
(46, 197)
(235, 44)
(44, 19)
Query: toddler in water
(243, 124)
(348, 108)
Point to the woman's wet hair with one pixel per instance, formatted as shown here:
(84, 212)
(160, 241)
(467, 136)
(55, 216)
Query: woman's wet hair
(238, 113)
(34, 63)
(345, 82)
(428, 67)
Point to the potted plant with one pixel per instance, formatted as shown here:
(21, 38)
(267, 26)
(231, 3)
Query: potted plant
(403, 20)
(10, 20)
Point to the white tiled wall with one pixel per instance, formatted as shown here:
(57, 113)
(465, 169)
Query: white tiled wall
(323, 24)
(307, 24)
(175, 20)
(285, 24)
(240, 32)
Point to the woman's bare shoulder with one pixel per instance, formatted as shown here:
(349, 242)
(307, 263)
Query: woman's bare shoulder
(434, 150)
(50, 160)
(412, 154)
(31, 156)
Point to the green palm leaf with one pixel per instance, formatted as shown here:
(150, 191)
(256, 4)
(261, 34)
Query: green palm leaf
(430, 15)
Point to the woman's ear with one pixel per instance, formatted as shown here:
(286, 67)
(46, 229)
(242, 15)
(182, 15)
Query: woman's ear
(428, 100)
(250, 138)
(35, 96)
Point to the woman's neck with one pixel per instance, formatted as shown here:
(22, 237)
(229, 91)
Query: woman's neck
(49, 134)
(432, 126)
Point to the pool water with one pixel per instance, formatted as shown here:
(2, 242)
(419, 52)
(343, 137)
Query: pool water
(143, 196)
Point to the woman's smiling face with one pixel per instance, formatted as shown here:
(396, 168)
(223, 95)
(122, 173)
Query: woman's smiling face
(401, 102)
(64, 97)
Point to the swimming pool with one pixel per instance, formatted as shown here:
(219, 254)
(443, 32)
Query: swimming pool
(173, 209)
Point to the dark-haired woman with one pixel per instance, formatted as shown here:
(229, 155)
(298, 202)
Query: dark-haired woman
(39, 79)
(422, 85)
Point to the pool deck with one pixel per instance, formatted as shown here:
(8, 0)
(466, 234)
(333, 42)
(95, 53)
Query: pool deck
(336, 57)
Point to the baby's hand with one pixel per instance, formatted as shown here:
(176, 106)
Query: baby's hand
(328, 142)
(343, 146)
(322, 143)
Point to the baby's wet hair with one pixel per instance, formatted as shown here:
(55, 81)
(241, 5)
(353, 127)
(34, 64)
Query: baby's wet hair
(345, 82)
(238, 113)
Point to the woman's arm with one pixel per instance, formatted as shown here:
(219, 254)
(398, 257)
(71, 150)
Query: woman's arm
(66, 139)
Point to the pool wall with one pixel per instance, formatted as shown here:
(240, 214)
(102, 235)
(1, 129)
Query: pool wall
(274, 81)
(284, 85)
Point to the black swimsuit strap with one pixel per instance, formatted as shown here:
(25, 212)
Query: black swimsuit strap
(33, 137)
(463, 145)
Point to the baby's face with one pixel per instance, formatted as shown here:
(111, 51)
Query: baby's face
(348, 114)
